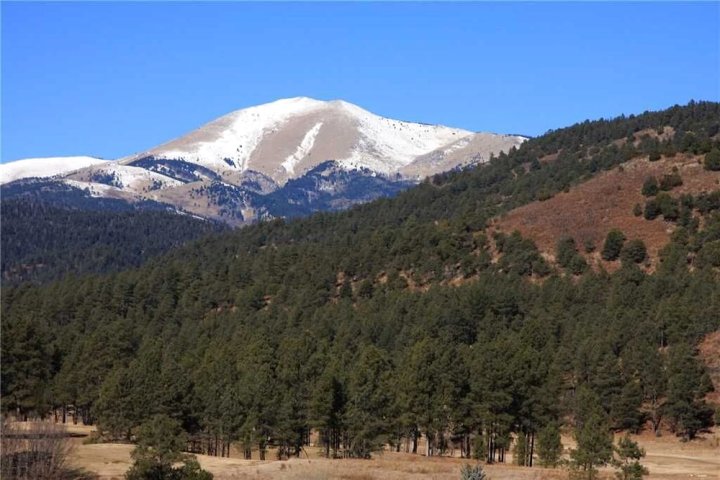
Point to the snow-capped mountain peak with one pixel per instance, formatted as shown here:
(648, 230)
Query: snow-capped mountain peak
(285, 138)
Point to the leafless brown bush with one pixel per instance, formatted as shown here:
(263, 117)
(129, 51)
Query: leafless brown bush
(35, 450)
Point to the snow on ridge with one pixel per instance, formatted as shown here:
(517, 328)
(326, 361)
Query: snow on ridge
(385, 144)
(44, 167)
(134, 178)
(390, 144)
(229, 143)
(95, 189)
(302, 150)
(241, 131)
(460, 144)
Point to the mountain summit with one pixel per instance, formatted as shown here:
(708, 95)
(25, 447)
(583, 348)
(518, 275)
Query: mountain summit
(228, 167)
(286, 138)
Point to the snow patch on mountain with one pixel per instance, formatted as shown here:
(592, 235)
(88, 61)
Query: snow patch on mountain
(386, 144)
(236, 135)
(303, 149)
(460, 144)
(263, 138)
(131, 178)
(44, 167)
(94, 189)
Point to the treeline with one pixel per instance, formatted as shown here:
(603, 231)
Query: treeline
(41, 243)
(345, 324)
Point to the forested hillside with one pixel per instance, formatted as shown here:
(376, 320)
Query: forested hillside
(41, 243)
(395, 319)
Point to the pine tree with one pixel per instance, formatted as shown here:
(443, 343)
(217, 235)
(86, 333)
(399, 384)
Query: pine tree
(368, 402)
(650, 187)
(565, 251)
(626, 411)
(712, 160)
(326, 410)
(652, 209)
(26, 367)
(592, 434)
(161, 441)
(549, 445)
(116, 409)
(687, 386)
(476, 472)
(613, 245)
(628, 454)
(633, 251)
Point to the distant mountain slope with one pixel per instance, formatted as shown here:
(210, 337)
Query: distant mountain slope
(279, 142)
(43, 167)
(329, 187)
(41, 243)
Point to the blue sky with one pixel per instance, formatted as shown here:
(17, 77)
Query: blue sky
(110, 79)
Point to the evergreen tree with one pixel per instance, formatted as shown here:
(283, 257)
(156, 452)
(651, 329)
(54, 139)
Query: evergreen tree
(687, 386)
(26, 367)
(633, 251)
(368, 402)
(712, 160)
(116, 408)
(614, 242)
(650, 187)
(549, 445)
(578, 265)
(652, 209)
(670, 181)
(625, 410)
(565, 251)
(161, 441)
(326, 411)
(628, 454)
(476, 472)
(594, 441)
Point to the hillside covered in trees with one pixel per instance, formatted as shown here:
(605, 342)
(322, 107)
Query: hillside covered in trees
(41, 242)
(396, 319)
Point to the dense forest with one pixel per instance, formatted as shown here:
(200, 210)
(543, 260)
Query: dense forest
(395, 319)
(41, 242)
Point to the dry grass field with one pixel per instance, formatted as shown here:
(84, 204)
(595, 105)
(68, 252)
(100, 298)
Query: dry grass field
(667, 458)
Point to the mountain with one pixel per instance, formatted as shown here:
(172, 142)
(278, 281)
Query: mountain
(287, 137)
(44, 167)
(236, 167)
